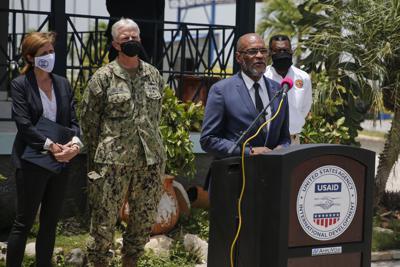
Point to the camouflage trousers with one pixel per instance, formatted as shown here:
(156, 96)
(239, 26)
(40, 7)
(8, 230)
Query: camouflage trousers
(108, 186)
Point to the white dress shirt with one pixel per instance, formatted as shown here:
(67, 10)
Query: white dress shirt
(49, 105)
(299, 97)
(262, 92)
(50, 112)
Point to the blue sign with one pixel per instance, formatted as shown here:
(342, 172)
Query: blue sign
(328, 187)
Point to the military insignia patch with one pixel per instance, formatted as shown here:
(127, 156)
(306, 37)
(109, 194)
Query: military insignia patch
(299, 83)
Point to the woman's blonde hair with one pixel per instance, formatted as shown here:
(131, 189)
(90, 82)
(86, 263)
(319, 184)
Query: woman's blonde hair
(31, 43)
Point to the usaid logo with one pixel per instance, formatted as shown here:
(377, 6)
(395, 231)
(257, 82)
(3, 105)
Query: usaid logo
(328, 187)
(44, 63)
(326, 202)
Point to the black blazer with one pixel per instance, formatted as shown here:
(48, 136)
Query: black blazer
(27, 108)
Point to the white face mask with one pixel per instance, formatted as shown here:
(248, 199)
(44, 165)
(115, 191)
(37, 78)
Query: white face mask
(45, 62)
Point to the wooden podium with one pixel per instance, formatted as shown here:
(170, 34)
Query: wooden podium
(305, 206)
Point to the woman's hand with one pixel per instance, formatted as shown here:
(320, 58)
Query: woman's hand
(55, 148)
(68, 152)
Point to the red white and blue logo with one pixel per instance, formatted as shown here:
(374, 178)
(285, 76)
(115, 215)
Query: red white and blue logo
(326, 202)
(326, 219)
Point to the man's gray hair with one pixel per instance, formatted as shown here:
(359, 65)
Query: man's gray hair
(123, 22)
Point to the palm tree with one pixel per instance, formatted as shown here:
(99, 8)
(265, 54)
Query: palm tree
(320, 52)
(369, 47)
(280, 16)
(356, 43)
(378, 26)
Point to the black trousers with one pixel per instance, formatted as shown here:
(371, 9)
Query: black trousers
(36, 186)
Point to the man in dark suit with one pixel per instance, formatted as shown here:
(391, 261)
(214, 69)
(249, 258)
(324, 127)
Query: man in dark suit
(235, 102)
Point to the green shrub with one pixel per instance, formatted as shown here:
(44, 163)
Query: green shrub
(78, 95)
(385, 241)
(197, 223)
(328, 122)
(178, 257)
(28, 262)
(318, 130)
(34, 230)
(177, 120)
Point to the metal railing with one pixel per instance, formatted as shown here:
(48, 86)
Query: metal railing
(181, 48)
(10, 41)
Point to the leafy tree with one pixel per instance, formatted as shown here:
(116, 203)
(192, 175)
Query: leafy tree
(356, 44)
(375, 44)
(319, 25)
(327, 52)
(279, 16)
(367, 55)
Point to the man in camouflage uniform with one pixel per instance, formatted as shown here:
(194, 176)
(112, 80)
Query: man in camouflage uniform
(120, 115)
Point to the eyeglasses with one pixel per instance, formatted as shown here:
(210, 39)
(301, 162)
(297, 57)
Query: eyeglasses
(254, 51)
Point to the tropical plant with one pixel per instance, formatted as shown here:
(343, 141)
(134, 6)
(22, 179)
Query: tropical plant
(357, 44)
(376, 38)
(280, 16)
(333, 97)
(366, 56)
(325, 123)
(327, 53)
(177, 120)
(318, 130)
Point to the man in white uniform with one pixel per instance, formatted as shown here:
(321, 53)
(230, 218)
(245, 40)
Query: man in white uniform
(300, 96)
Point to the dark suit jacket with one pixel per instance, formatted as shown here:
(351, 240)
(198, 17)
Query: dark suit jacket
(27, 108)
(230, 110)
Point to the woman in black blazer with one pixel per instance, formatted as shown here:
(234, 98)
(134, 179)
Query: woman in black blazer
(36, 93)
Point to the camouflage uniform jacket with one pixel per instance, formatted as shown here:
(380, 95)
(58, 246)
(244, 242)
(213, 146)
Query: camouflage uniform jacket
(120, 116)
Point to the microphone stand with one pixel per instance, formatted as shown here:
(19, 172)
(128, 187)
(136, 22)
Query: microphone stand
(253, 123)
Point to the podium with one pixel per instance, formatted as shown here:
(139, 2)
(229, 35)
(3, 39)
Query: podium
(305, 206)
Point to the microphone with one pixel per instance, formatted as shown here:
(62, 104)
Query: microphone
(286, 85)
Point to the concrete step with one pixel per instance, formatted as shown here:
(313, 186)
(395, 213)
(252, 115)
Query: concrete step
(5, 109)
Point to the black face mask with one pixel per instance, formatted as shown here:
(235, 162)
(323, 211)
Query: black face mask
(282, 61)
(131, 48)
